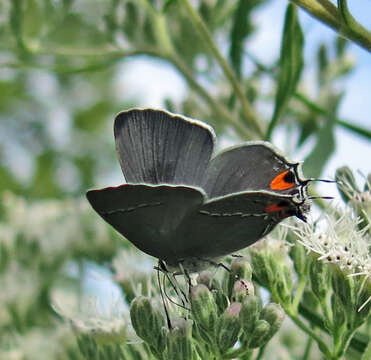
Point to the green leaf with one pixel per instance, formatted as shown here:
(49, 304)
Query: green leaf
(16, 22)
(345, 124)
(241, 28)
(291, 64)
(341, 45)
(33, 19)
(325, 144)
(323, 64)
(74, 30)
(308, 126)
(43, 184)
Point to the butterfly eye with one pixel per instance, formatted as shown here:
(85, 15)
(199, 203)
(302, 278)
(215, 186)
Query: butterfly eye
(283, 181)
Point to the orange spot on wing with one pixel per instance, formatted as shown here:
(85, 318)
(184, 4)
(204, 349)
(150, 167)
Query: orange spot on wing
(276, 207)
(282, 181)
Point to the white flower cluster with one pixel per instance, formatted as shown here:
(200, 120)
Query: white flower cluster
(55, 227)
(337, 238)
(106, 324)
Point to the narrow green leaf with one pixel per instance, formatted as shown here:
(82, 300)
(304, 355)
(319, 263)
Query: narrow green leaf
(75, 30)
(291, 64)
(322, 63)
(241, 28)
(32, 19)
(345, 124)
(341, 44)
(15, 19)
(356, 129)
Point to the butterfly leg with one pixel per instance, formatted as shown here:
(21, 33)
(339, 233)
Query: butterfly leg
(158, 268)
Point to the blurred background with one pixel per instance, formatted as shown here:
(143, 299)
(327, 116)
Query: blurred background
(68, 66)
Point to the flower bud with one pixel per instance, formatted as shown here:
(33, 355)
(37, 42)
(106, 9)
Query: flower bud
(249, 314)
(361, 203)
(262, 268)
(343, 287)
(309, 300)
(338, 314)
(274, 315)
(283, 283)
(319, 279)
(148, 322)
(179, 341)
(204, 308)
(260, 334)
(241, 290)
(299, 256)
(241, 268)
(346, 183)
(207, 278)
(228, 327)
(221, 301)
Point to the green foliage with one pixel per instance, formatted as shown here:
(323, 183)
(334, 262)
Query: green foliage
(60, 87)
(241, 29)
(291, 64)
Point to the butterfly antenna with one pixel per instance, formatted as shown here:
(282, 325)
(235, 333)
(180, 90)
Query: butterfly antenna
(162, 297)
(320, 180)
(321, 197)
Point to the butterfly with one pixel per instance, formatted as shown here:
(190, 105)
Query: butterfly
(185, 205)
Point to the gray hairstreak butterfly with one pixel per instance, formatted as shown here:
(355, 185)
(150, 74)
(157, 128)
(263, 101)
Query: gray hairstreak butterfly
(187, 207)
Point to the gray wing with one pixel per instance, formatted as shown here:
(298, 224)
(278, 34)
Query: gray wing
(248, 167)
(147, 215)
(156, 147)
(230, 223)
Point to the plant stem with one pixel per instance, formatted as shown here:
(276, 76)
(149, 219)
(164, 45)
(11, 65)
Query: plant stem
(204, 32)
(236, 353)
(358, 342)
(307, 349)
(345, 343)
(322, 345)
(261, 352)
(218, 108)
(333, 17)
(345, 124)
(171, 57)
(319, 11)
(315, 107)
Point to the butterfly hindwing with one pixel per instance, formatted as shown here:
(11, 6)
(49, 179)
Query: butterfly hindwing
(250, 167)
(147, 215)
(230, 223)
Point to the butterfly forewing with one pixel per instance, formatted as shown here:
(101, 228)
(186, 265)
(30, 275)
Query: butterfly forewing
(157, 147)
